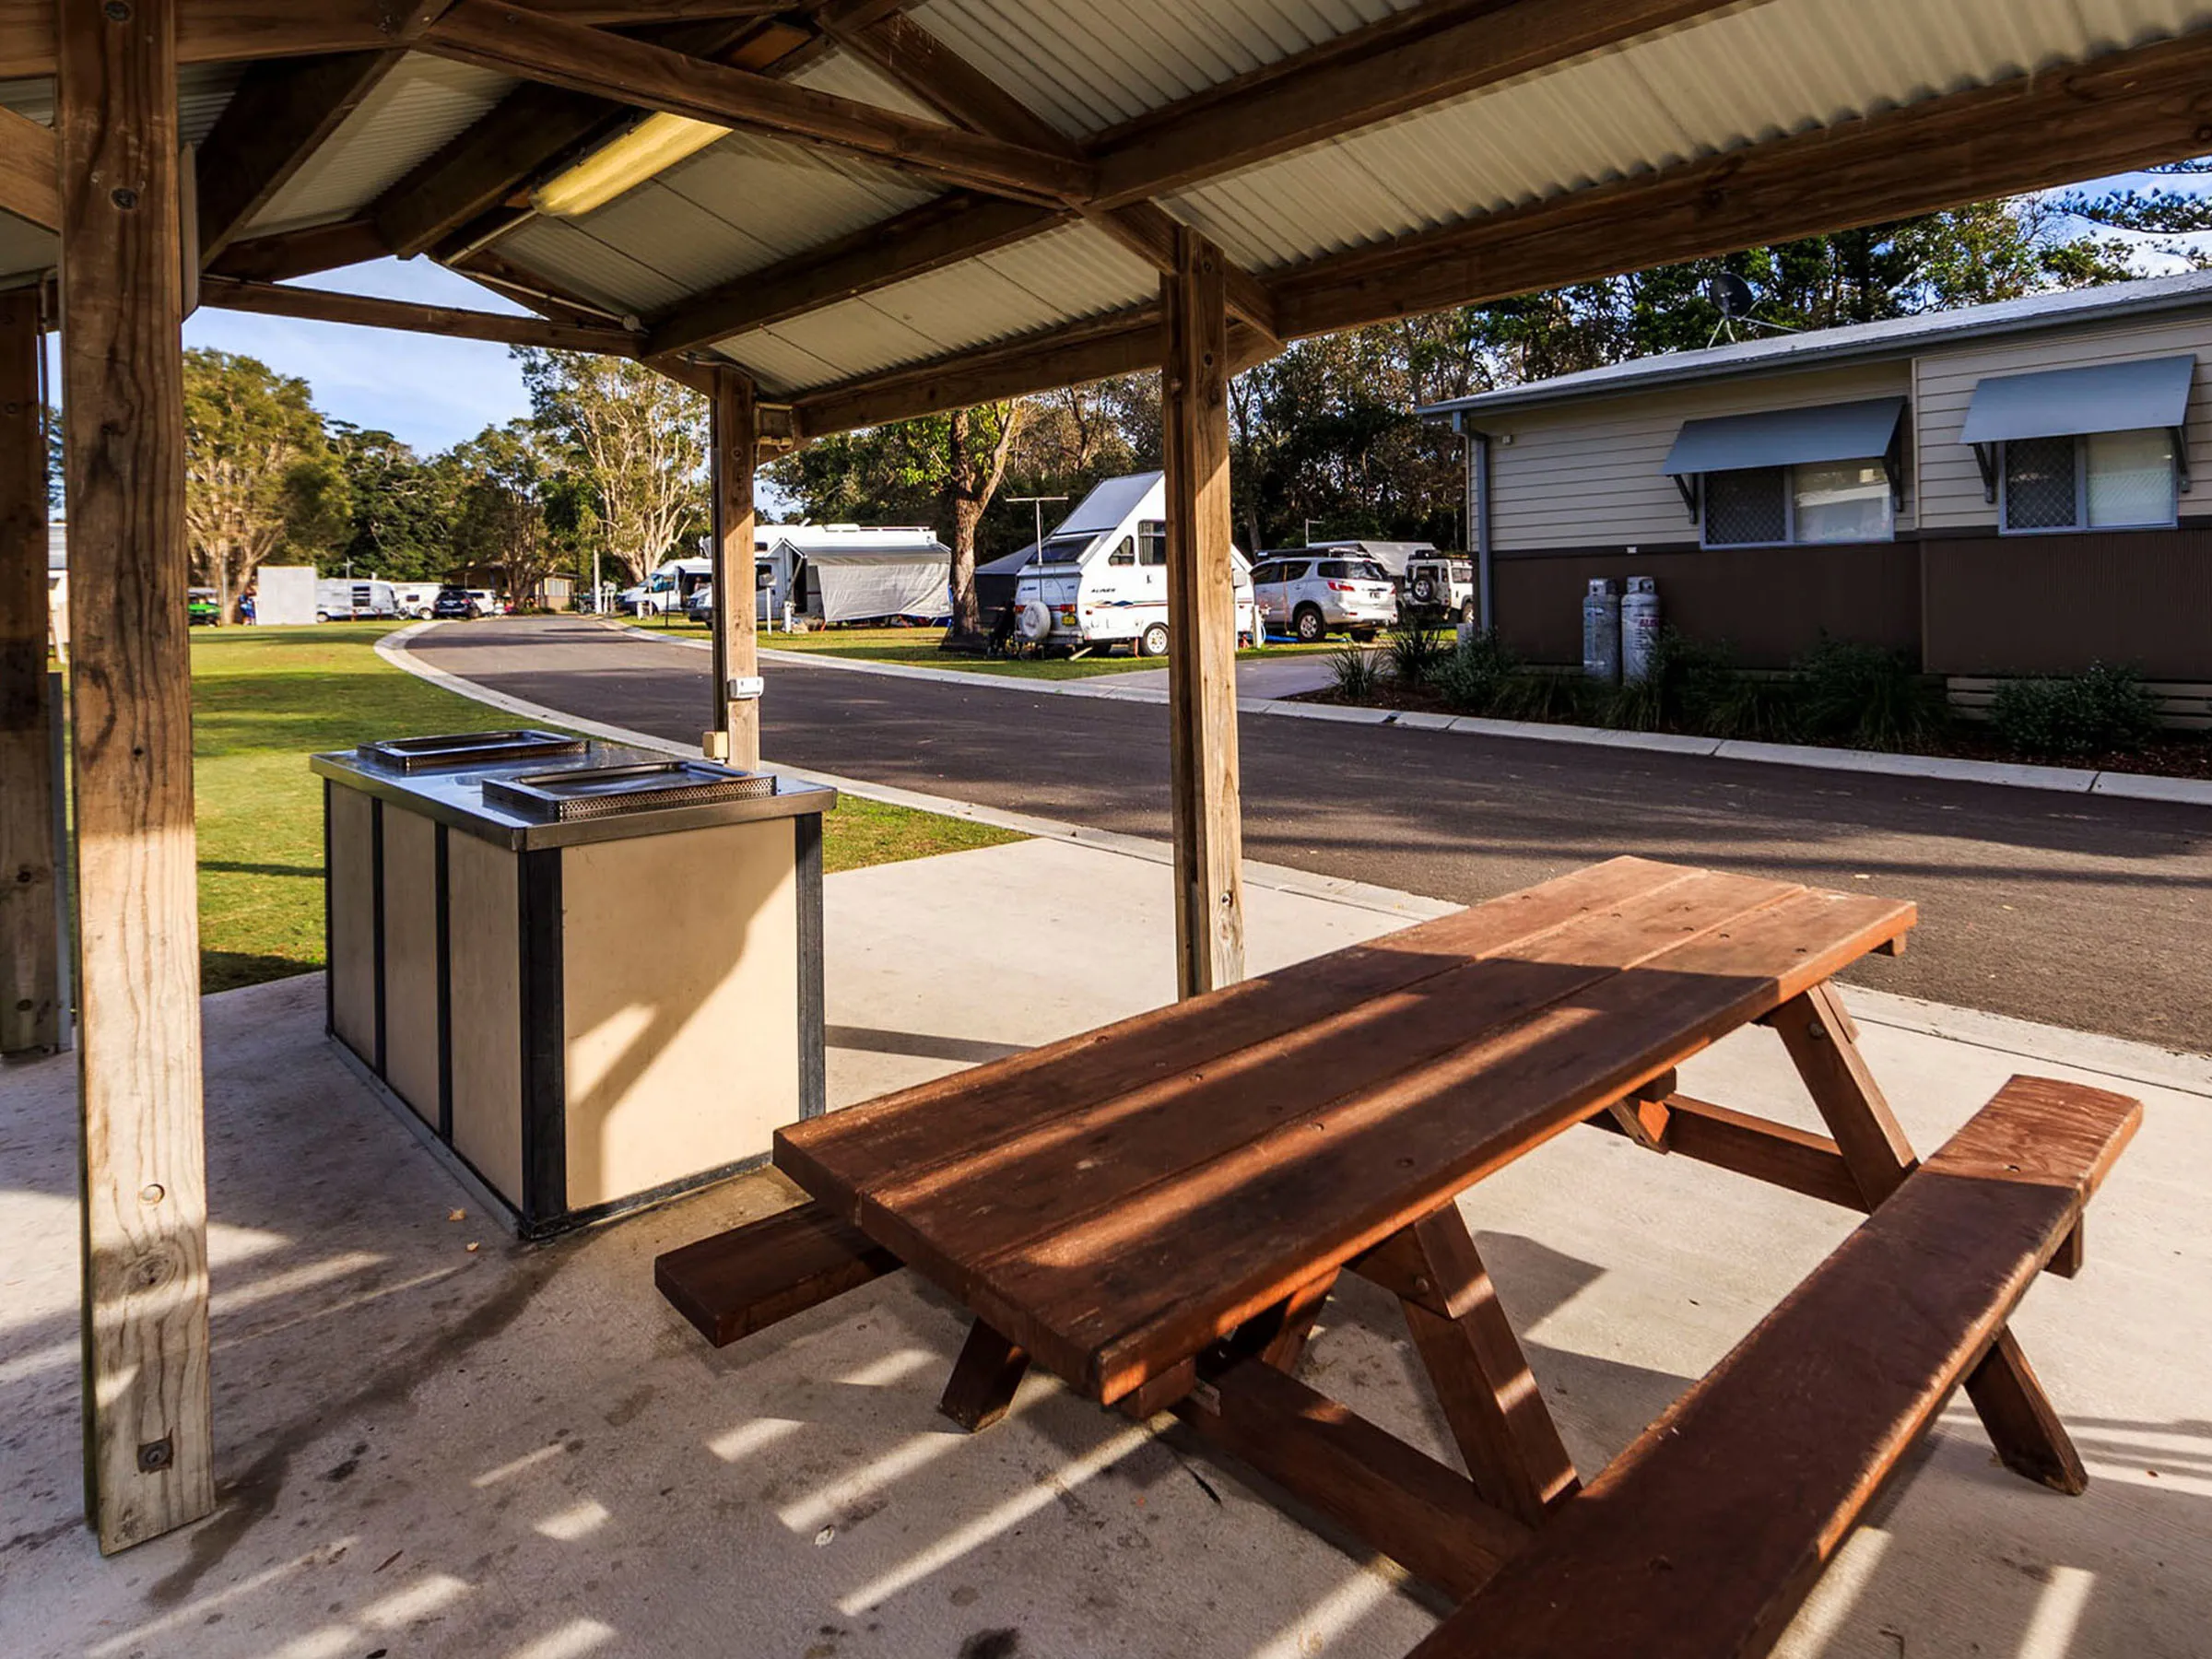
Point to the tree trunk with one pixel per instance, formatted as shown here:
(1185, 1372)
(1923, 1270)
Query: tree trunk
(965, 512)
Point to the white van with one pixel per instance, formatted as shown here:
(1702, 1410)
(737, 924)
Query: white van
(1100, 578)
(337, 600)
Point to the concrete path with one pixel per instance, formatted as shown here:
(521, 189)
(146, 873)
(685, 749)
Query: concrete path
(511, 1453)
(2078, 911)
(1288, 675)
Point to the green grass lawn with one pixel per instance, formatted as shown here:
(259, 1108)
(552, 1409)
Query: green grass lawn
(265, 699)
(918, 647)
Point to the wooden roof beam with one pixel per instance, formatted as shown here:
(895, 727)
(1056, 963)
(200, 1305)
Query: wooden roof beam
(914, 243)
(2114, 114)
(280, 115)
(320, 305)
(222, 30)
(1439, 51)
(288, 254)
(30, 171)
(538, 47)
(1124, 342)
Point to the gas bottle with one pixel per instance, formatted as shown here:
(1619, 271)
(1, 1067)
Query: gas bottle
(1639, 629)
(1601, 631)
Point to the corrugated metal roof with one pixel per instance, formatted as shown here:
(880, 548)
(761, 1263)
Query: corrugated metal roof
(1090, 66)
(1860, 342)
(1743, 76)
(415, 112)
(1062, 276)
(24, 248)
(202, 92)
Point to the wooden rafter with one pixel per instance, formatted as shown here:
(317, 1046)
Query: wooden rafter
(537, 47)
(320, 305)
(292, 253)
(29, 185)
(1441, 49)
(281, 113)
(938, 233)
(911, 57)
(227, 30)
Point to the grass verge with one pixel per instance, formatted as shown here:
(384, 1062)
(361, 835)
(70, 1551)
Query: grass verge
(265, 699)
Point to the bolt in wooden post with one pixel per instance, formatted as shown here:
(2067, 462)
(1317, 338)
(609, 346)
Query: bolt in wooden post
(733, 440)
(147, 1455)
(1202, 622)
(30, 947)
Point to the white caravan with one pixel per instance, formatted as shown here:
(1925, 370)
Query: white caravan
(337, 600)
(1102, 577)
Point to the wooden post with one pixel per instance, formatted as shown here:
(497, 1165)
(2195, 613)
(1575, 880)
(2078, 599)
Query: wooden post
(147, 1456)
(1202, 622)
(29, 951)
(733, 440)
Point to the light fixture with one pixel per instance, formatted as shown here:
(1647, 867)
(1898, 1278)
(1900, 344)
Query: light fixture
(652, 147)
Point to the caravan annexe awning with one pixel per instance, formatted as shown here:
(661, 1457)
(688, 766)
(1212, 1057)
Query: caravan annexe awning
(2070, 403)
(1844, 432)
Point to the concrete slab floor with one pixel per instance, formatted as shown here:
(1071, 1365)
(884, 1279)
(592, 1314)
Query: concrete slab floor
(523, 1454)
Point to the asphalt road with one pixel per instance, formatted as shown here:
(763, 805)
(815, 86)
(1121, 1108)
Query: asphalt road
(2077, 911)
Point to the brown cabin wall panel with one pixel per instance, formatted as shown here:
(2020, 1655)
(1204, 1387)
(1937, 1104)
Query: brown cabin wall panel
(411, 961)
(353, 923)
(483, 909)
(1768, 603)
(2055, 604)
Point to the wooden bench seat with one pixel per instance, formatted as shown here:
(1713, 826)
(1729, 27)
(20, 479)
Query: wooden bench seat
(734, 1283)
(1704, 1537)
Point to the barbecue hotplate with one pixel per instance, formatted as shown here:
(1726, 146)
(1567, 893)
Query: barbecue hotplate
(591, 792)
(468, 748)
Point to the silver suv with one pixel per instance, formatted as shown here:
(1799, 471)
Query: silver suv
(1308, 594)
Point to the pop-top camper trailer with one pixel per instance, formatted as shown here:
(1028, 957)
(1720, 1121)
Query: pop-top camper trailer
(1102, 577)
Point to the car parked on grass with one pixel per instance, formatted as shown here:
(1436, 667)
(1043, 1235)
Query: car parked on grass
(1310, 596)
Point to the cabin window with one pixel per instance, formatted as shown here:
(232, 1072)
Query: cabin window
(2097, 481)
(1125, 553)
(1063, 549)
(1152, 541)
(1811, 502)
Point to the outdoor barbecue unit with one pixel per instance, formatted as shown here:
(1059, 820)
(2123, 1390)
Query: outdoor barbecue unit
(593, 973)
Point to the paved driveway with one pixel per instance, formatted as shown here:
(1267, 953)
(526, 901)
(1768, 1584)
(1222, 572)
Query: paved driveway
(2073, 909)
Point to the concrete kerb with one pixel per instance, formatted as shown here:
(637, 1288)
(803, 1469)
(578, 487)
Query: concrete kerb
(2063, 780)
(1414, 907)
(2054, 1045)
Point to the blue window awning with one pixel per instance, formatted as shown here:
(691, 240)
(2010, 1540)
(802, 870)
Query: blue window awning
(1844, 432)
(2070, 403)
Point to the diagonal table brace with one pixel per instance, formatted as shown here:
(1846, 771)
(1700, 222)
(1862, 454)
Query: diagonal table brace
(2019, 1415)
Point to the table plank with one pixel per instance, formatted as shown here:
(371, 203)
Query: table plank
(1106, 1301)
(841, 1153)
(1098, 1158)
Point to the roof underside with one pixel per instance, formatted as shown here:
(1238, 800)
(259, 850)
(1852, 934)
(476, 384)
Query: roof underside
(1727, 79)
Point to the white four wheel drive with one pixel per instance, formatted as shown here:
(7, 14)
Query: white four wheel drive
(1100, 578)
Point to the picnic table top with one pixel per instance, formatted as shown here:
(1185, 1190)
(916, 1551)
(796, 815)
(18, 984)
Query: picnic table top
(1116, 1202)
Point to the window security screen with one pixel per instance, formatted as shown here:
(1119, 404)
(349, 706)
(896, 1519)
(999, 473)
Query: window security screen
(1747, 507)
(2039, 485)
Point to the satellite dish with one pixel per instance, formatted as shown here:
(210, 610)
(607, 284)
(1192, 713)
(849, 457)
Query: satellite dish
(1731, 296)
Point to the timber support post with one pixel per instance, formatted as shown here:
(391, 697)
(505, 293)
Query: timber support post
(29, 934)
(149, 1455)
(1202, 621)
(734, 442)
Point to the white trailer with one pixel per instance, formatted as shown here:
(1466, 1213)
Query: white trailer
(337, 600)
(1100, 578)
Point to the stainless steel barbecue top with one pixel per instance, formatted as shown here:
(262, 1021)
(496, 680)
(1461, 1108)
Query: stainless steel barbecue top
(468, 748)
(593, 792)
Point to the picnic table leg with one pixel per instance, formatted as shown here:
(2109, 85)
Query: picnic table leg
(1298, 1314)
(984, 1379)
(1505, 1434)
(2022, 1423)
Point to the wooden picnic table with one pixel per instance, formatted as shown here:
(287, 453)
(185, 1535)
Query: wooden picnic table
(1155, 1211)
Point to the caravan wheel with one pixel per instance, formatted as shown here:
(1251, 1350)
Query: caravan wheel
(1153, 641)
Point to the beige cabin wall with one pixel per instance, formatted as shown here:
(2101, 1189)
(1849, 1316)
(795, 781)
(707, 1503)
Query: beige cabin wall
(1952, 491)
(1587, 475)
